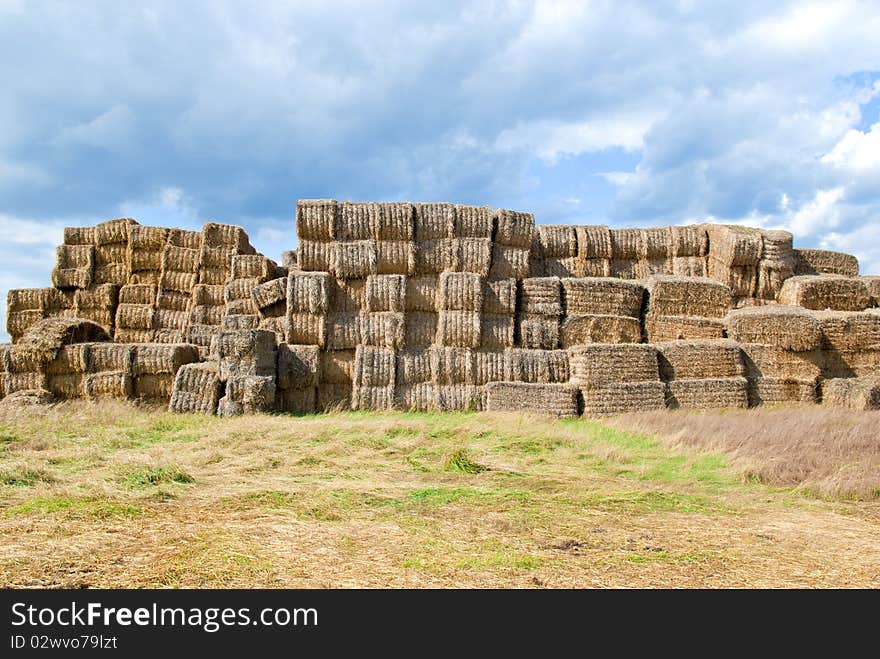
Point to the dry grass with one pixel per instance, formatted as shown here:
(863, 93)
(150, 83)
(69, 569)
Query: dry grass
(114, 495)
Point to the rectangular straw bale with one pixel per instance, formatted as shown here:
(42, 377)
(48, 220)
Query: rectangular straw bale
(226, 236)
(316, 256)
(594, 242)
(298, 366)
(108, 384)
(394, 221)
(499, 296)
(688, 241)
(147, 238)
(181, 282)
(771, 277)
(419, 397)
(420, 328)
(296, 401)
(113, 254)
(537, 331)
(208, 295)
(385, 292)
(690, 266)
(561, 267)
(473, 222)
(125, 335)
(671, 328)
(217, 257)
(435, 255)
(66, 385)
(822, 292)
(358, 221)
(185, 238)
(577, 329)
(145, 277)
(180, 259)
(172, 300)
(451, 365)
(154, 387)
(69, 257)
(789, 327)
(656, 243)
(113, 231)
(156, 358)
(434, 221)
(421, 293)
(850, 364)
(456, 397)
(763, 361)
(513, 228)
(777, 391)
(735, 245)
(170, 335)
(370, 398)
(253, 393)
(213, 276)
(709, 393)
(413, 366)
(395, 257)
(30, 299)
(699, 359)
(374, 367)
(19, 360)
(625, 268)
(593, 268)
(239, 289)
(308, 292)
(71, 278)
(196, 389)
(852, 393)
(116, 273)
(460, 291)
(654, 266)
(348, 295)
(136, 316)
(497, 331)
(306, 328)
(31, 381)
(276, 324)
(544, 366)
(687, 296)
(355, 259)
(269, 293)
(79, 235)
(849, 330)
(18, 322)
(383, 328)
(823, 261)
(176, 320)
(778, 246)
(627, 244)
(336, 367)
(604, 398)
(556, 400)
(489, 366)
(238, 322)
(508, 261)
(474, 255)
(103, 357)
(252, 266)
(742, 279)
(183, 402)
(104, 318)
(459, 329)
(316, 219)
(596, 295)
(343, 330)
(72, 358)
(623, 362)
(541, 295)
(201, 336)
(206, 314)
(137, 294)
(555, 241)
(333, 397)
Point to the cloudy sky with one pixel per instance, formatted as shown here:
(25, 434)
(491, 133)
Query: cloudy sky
(627, 113)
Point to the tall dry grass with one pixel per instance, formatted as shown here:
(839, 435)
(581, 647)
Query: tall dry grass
(828, 452)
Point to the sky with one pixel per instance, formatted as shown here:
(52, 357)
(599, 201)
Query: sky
(624, 113)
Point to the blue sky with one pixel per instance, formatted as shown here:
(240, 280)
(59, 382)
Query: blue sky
(627, 113)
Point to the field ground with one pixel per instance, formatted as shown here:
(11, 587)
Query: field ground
(120, 496)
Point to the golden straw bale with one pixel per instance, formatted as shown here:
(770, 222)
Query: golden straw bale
(849, 330)
(690, 266)
(196, 389)
(741, 279)
(108, 384)
(508, 261)
(434, 221)
(778, 391)
(621, 362)
(538, 331)
(627, 244)
(71, 358)
(499, 296)
(226, 235)
(687, 296)
(156, 358)
(296, 401)
(604, 398)
(166, 319)
(66, 385)
(577, 329)
(699, 359)
(355, 259)
(343, 330)
(137, 294)
(125, 335)
(374, 367)
(185, 238)
(298, 366)
(420, 328)
(851, 364)
(557, 400)
(395, 257)
(316, 219)
(252, 266)
(436, 255)
(458, 329)
(656, 243)
(852, 393)
(451, 365)
(456, 397)
(789, 327)
(182, 282)
(213, 276)
(593, 268)
(113, 231)
(308, 292)
(180, 259)
(671, 328)
(316, 256)
(554, 240)
(413, 366)
(333, 397)
(474, 255)
(541, 295)
(383, 328)
(472, 222)
(79, 235)
(763, 361)
(270, 293)
(460, 291)
(708, 393)
(625, 268)
(385, 292)
(596, 295)
(496, 331)
(490, 366)
(157, 387)
(688, 241)
(306, 329)
(822, 261)
(544, 366)
(594, 242)
(821, 292)
(513, 228)
(204, 314)
(778, 246)
(735, 245)
(421, 293)
(147, 238)
(558, 267)
(337, 367)
(771, 277)
(216, 257)
(347, 294)
(419, 397)
(872, 283)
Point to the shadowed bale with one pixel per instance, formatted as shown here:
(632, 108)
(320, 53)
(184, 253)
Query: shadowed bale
(557, 400)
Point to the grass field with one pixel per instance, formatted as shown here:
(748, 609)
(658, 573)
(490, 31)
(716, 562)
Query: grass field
(120, 496)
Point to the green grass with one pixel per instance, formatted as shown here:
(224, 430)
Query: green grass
(461, 461)
(96, 507)
(23, 477)
(149, 476)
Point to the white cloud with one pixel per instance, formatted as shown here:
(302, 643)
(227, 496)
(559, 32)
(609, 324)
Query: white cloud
(857, 151)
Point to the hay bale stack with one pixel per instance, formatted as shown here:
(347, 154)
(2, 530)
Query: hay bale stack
(336, 375)
(540, 366)
(146, 247)
(628, 253)
(861, 393)
(554, 252)
(777, 264)
(74, 265)
(734, 255)
(109, 368)
(27, 306)
(308, 298)
(783, 390)
(250, 394)
(154, 367)
(220, 244)
(782, 326)
(414, 388)
(513, 233)
(603, 399)
(459, 302)
(615, 378)
(601, 310)
(244, 353)
(237, 322)
(79, 236)
(24, 369)
(850, 343)
(196, 389)
(594, 251)
(65, 374)
(556, 400)
(108, 384)
(539, 310)
(136, 314)
(497, 323)
(825, 262)
(270, 300)
(374, 377)
(685, 308)
(111, 251)
(709, 393)
(472, 231)
(298, 377)
(385, 329)
(205, 316)
(821, 292)
(703, 374)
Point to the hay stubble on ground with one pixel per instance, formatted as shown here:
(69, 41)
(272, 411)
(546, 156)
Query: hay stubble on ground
(113, 495)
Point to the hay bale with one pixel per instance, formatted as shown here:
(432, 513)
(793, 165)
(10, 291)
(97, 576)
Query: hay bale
(298, 366)
(778, 246)
(822, 261)
(734, 245)
(413, 366)
(170, 335)
(201, 335)
(213, 276)
(290, 259)
(252, 266)
(206, 314)
(555, 241)
(602, 363)
(604, 398)
(348, 295)
(66, 385)
(782, 326)
(489, 366)
(472, 222)
(238, 322)
(216, 258)
(156, 358)
(196, 389)
(822, 292)
(395, 257)
(513, 228)
(849, 331)
(395, 221)
(508, 261)
(434, 221)
(172, 300)
(556, 400)
(336, 367)
(115, 254)
(181, 282)
(79, 235)
(385, 329)
(496, 331)
(537, 331)
(245, 353)
(460, 291)
(474, 255)
(456, 397)
(148, 277)
(308, 292)
(141, 260)
(578, 329)
(624, 268)
(627, 244)
(334, 397)
(672, 328)
(113, 231)
(158, 387)
(688, 241)
(357, 221)
(656, 243)
(31, 299)
(171, 320)
(594, 242)
(375, 399)
(254, 394)
(316, 219)
(451, 365)
(772, 362)
(687, 296)
(17, 359)
(108, 384)
(316, 256)
(124, 335)
(593, 268)
(654, 266)
(297, 401)
(420, 328)
(690, 266)
(116, 273)
(180, 259)
(227, 236)
(872, 284)
(185, 238)
(595, 295)
(861, 393)
(778, 391)
(541, 295)
(107, 357)
(343, 330)
(354, 259)
(458, 329)
(142, 294)
(771, 277)
(436, 255)
(708, 393)
(421, 293)
(18, 322)
(741, 279)
(270, 293)
(374, 367)
(541, 366)
(276, 324)
(239, 290)
(499, 296)
(851, 364)
(385, 293)
(699, 359)
(136, 316)
(419, 397)
(23, 381)
(46, 337)
(72, 358)
(147, 238)
(559, 267)
(73, 266)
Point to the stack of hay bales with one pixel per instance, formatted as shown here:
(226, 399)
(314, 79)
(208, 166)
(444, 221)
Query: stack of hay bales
(861, 393)
(554, 252)
(174, 299)
(146, 246)
(414, 386)
(820, 292)
(436, 246)
(452, 374)
(24, 370)
(298, 375)
(136, 314)
(66, 372)
(98, 303)
(373, 378)
(656, 257)
(513, 234)
(594, 251)
(821, 261)
(247, 361)
(776, 265)
(355, 255)
(196, 389)
(472, 231)
(308, 299)
(459, 303)
(781, 351)
(27, 306)
(109, 370)
(393, 233)
(703, 374)
(205, 316)
(220, 243)
(734, 255)
(615, 378)
(154, 366)
(627, 251)
(270, 301)
(381, 324)
(316, 231)
(557, 400)
(74, 265)
(539, 311)
(851, 343)
(111, 251)
(248, 272)
(685, 308)
(689, 248)
(497, 320)
(601, 310)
